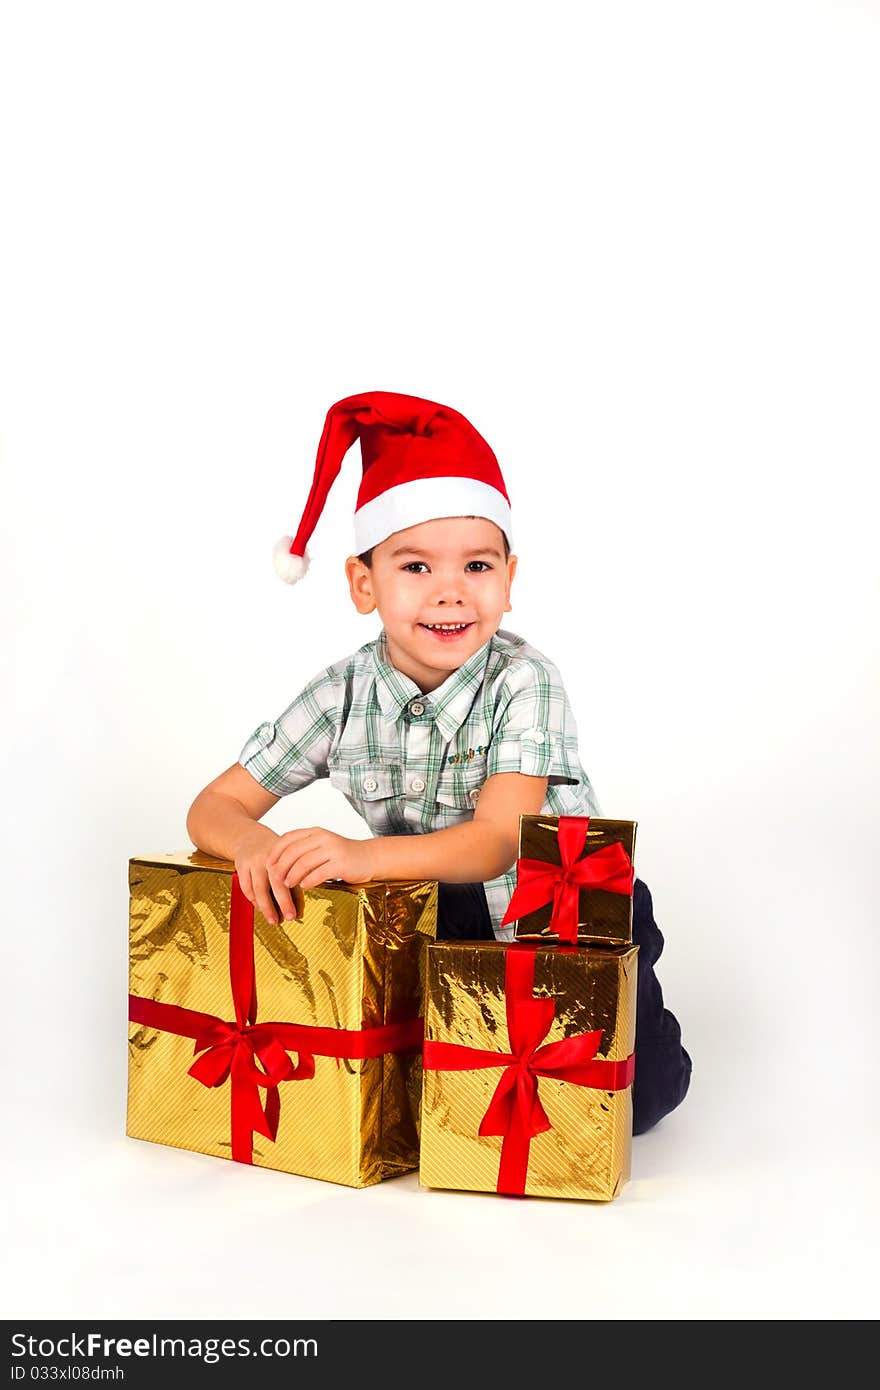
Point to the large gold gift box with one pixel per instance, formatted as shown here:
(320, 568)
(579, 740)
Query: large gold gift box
(318, 1002)
(604, 914)
(533, 1045)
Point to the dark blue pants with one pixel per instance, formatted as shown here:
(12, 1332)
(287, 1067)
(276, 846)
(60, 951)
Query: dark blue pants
(663, 1068)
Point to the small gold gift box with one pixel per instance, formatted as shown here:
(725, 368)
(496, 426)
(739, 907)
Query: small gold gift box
(574, 880)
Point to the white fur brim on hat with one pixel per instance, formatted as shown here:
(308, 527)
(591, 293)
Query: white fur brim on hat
(290, 568)
(426, 499)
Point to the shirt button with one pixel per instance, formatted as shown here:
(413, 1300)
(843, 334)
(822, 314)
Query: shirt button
(370, 784)
(417, 785)
(417, 707)
(537, 735)
(474, 796)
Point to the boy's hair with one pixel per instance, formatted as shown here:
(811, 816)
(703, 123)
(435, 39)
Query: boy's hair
(367, 557)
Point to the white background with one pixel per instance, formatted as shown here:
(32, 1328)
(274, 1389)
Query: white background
(636, 244)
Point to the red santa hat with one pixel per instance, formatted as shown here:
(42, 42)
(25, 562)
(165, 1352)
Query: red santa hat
(421, 461)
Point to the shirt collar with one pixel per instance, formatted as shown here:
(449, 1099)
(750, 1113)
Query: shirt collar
(395, 690)
(449, 705)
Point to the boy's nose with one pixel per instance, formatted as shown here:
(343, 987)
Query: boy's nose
(448, 589)
(448, 595)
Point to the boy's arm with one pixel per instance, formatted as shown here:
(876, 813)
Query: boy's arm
(285, 755)
(224, 821)
(227, 809)
(479, 850)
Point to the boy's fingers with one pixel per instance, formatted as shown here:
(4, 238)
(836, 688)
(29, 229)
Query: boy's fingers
(293, 837)
(263, 897)
(289, 845)
(318, 875)
(279, 847)
(282, 892)
(294, 854)
(307, 865)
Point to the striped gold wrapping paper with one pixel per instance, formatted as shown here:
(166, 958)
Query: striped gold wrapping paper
(586, 1153)
(355, 958)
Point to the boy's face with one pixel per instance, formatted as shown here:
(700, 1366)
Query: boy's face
(440, 589)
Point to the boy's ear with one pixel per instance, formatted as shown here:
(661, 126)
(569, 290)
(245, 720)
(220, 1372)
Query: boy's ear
(360, 584)
(511, 571)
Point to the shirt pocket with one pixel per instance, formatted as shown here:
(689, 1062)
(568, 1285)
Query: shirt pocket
(458, 788)
(365, 781)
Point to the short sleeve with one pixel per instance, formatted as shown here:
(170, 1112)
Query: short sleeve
(292, 752)
(535, 731)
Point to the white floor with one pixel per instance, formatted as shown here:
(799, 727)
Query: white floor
(719, 1221)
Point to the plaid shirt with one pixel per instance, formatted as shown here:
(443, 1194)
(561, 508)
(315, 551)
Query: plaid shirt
(410, 763)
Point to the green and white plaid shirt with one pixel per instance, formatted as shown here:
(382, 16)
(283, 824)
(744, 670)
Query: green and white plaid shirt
(410, 763)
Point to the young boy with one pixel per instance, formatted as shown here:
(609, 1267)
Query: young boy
(443, 731)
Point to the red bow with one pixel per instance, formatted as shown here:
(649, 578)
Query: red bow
(231, 1051)
(609, 868)
(515, 1110)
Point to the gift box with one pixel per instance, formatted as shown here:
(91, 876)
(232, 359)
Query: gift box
(574, 880)
(528, 1069)
(294, 1045)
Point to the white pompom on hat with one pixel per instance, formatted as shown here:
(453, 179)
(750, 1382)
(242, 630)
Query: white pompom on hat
(288, 566)
(421, 461)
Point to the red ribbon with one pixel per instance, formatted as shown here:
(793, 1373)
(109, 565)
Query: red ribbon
(537, 882)
(515, 1110)
(253, 1055)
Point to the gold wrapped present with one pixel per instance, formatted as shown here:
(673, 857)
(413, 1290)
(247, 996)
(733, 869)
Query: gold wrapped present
(528, 1069)
(340, 990)
(574, 880)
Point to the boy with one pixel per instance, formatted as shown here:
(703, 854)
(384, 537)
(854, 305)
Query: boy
(443, 731)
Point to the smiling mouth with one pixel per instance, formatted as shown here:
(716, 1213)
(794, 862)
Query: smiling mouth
(446, 631)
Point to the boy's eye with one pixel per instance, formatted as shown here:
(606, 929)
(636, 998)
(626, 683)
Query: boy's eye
(420, 567)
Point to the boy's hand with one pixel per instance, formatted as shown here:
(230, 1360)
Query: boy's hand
(251, 851)
(309, 857)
